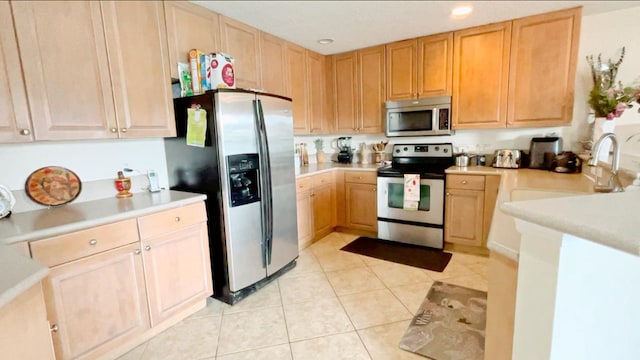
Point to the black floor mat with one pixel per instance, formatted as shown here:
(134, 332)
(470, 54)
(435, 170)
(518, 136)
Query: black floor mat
(407, 254)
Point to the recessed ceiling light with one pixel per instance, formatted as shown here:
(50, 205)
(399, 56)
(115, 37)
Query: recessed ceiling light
(461, 11)
(325, 41)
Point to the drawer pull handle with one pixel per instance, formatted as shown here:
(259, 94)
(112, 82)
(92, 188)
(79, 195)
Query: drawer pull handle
(93, 242)
(464, 182)
(113, 130)
(177, 218)
(448, 194)
(147, 248)
(123, 130)
(137, 252)
(25, 132)
(360, 177)
(54, 328)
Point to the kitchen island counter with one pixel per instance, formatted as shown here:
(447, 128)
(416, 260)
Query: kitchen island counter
(19, 272)
(503, 236)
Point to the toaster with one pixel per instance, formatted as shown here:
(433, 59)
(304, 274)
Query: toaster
(510, 159)
(551, 145)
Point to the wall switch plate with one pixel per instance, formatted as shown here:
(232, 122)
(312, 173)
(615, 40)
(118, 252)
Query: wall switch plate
(154, 185)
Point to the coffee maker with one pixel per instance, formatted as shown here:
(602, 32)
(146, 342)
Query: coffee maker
(346, 154)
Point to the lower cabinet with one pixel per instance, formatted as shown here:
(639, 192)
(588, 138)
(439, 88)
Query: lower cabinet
(177, 270)
(316, 203)
(96, 303)
(102, 294)
(469, 205)
(360, 191)
(24, 333)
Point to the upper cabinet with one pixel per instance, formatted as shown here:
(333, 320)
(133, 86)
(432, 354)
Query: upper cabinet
(316, 93)
(370, 79)
(273, 65)
(435, 54)
(517, 74)
(79, 74)
(480, 76)
(419, 67)
(358, 90)
(135, 30)
(242, 42)
(66, 69)
(402, 70)
(544, 51)
(15, 123)
(296, 86)
(189, 26)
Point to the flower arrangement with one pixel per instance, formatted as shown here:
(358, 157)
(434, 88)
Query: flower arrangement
(609, 98)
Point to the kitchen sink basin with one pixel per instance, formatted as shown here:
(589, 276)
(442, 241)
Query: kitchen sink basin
(534, 194)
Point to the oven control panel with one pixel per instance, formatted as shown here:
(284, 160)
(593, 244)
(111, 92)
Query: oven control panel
(423, 150)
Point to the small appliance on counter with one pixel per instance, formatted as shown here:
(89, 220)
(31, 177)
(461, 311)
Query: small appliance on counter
(345, 156)
(507, 158)
(566, 162)
(549, 145)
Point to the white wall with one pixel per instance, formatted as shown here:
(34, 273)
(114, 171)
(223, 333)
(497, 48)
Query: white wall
(90, 160)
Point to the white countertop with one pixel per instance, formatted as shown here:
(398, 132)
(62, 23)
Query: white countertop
(609, 219)
(503, 236)
(19, 273)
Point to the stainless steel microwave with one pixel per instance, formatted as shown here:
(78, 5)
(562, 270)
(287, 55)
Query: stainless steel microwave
(419, 117)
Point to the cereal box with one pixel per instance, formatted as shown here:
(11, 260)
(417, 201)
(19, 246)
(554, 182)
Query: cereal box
(222, 73)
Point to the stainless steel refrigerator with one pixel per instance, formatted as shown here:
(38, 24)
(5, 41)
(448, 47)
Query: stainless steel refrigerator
(246, 168)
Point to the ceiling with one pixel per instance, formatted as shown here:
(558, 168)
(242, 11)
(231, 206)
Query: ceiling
(358, 24)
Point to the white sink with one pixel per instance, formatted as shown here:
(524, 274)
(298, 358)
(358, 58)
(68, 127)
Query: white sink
(534, 194)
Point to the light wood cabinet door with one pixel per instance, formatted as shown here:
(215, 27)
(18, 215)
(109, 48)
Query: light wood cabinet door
(345, 92)
(361, 202)
(25, 333)
(273, 52)
(315, 93)
(139, 63)
(323, 209)
(435, 63)
(242, 42)
(371, 73)
(464, 217)
(480, 76)
(189, 26)
(177, 270)
(401, 70)
(96, 303)
(544, 50)
(66, 70)
(297, 82)
(305, 218)
(15, 123)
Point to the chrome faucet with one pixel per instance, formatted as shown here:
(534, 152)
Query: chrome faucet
(613, 185)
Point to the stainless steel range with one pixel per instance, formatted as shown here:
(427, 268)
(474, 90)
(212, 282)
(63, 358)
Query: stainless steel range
(424, 225)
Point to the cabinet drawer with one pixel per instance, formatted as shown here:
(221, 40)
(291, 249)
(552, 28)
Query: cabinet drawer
(303, 184)
(68, 247)
(469, 182)
(322, 179)
(170, 220)
(361, 177)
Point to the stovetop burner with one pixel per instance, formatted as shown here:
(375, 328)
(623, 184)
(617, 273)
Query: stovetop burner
(429, 160)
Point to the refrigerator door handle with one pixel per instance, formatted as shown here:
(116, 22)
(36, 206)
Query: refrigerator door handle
(265, 164)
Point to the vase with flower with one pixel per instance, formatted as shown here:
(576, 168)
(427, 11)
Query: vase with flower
(609, 99)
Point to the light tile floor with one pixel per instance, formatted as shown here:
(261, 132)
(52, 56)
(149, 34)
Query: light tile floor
(332, 305)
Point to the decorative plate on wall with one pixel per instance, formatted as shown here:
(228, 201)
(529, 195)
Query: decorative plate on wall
(53, 185)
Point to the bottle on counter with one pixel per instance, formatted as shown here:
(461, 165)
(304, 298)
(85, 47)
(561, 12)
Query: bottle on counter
(304, 159)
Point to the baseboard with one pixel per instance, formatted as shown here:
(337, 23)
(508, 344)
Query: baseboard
(473, 250)
(367, 233)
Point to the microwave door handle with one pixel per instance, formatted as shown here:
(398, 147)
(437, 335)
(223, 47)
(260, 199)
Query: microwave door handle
(434, 119)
